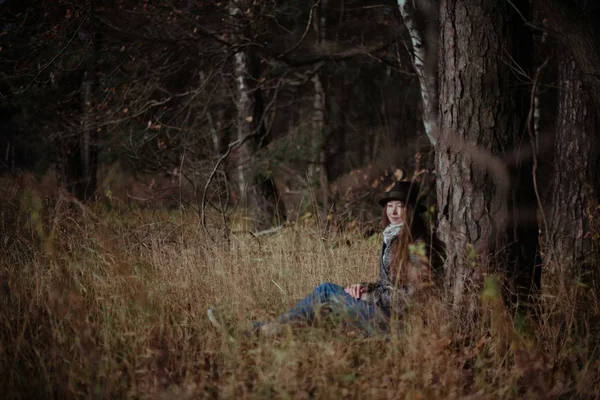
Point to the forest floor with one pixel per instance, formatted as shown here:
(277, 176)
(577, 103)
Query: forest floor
(98, 302)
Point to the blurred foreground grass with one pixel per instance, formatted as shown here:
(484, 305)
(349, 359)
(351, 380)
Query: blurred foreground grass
(106, 303)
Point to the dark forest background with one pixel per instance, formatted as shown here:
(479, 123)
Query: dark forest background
(155, 87)
(291, 110)
(286, 107)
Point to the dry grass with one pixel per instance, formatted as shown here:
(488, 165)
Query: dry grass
(111, 304)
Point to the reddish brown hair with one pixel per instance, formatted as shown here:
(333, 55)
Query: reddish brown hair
(401, 253)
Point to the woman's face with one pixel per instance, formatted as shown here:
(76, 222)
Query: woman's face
(395, 211)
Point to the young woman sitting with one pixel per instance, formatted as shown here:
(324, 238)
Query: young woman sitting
(404, 274)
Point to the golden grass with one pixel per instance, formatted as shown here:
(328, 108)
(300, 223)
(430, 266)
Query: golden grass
(98, 303)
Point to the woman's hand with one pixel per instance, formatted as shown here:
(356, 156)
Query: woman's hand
(355, 290)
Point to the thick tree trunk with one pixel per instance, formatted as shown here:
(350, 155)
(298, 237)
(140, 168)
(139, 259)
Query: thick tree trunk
(574, 164)
(479, 120)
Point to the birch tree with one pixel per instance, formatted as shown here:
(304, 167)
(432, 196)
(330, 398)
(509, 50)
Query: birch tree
(426, 74)
(257, 192)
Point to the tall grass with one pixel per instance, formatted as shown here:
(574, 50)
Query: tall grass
(101, 303)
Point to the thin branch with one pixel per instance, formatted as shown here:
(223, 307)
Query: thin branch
(527, 22)
(534, 93)
(51, 61)
(308, 24)
(232, 146)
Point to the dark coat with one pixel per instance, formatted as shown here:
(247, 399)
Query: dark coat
(383, 293)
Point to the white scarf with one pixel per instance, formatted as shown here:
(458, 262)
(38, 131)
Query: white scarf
(389, 234)
(391, 231)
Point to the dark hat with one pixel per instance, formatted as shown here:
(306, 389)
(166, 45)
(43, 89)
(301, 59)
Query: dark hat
(406, 192)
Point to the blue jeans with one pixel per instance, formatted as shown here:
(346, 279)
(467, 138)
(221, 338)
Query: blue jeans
(360, 314)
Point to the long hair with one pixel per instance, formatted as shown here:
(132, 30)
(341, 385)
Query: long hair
(415, 229)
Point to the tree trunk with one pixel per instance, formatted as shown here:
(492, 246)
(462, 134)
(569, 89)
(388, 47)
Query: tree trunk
(318, 153)
(334, 146)
(575, 29)
(574, 163)
(425, 72)
(244, 126)
(220, 138)
(257, 190)
(88, 147)
(479, 122)
(82, 164)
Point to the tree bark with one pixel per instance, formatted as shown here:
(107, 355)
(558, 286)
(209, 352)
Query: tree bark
(574, 164)
(576, 31)
(425, 73)
(245, 115)
(480, 118)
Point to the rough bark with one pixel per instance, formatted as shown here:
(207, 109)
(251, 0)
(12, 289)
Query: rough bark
(574, 163)
(480, 118)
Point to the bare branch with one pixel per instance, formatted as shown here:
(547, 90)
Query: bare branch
(308, 24)
(58, 54)
(534, 94)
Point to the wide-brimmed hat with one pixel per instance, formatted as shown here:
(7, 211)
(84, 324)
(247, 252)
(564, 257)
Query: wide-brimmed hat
(406, 192)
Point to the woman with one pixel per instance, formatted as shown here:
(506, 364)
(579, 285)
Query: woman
(404, 272)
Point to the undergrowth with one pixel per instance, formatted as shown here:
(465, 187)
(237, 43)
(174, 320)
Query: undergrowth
(98, 302)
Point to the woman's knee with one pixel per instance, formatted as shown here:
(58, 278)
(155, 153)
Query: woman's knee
(328, 287)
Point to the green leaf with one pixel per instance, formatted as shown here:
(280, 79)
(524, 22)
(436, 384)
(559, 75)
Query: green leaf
(492, 289)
